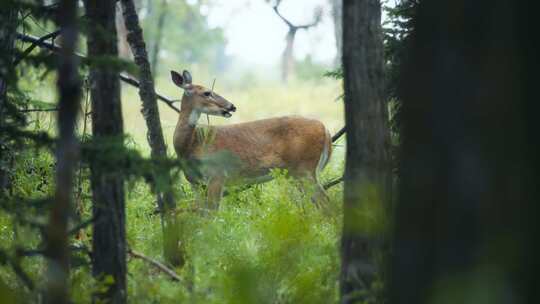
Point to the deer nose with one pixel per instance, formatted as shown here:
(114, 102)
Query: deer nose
(232, 108)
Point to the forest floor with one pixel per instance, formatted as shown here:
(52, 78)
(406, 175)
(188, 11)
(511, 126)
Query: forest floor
(268, 244)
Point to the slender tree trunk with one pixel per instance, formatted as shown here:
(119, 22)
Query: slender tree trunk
(287, 59)
(368, 169)
(337, 16)
(466, 225)
(150, 111)
(8, 26)
(123, 46)
(109, 234)
(159, 36)
(69, 91)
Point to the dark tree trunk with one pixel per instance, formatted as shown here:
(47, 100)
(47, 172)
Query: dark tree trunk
(466, 228)
(150, 111)
(368, 169)
(69, 91)
(159, 36)
(337, 16)
(8, 26)
(109, 234)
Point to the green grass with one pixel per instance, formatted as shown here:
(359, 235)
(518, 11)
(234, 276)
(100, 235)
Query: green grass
(268, 244)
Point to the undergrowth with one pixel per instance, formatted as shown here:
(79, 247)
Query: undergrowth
(268, 244)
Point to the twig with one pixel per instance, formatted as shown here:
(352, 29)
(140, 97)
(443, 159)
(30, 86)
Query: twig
(39, 110)
(156, 264)
(338, 134)
(34, 45)
(135, 83)
(332, 183)
(124, 78)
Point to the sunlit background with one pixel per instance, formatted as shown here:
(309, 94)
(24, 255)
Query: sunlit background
(240, 43)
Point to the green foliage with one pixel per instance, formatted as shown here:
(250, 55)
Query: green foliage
(268, 244)
(335, 74)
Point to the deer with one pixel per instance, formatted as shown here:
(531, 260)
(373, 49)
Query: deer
(249, 150)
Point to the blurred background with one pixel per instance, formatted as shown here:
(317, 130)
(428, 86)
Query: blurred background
(240, 44)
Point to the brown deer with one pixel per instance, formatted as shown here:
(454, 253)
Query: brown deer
(246, 151)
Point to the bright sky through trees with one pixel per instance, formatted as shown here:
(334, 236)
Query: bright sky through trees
(256, 35)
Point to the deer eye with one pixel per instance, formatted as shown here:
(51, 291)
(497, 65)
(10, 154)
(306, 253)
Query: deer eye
(207, 94)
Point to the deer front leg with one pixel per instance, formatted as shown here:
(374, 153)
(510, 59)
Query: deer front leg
(215, 192)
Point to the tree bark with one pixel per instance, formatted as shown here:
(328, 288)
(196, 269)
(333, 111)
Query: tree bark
(466, 222)
(165, 198)
(109, 234)
(69, 91)
(368, 169)
(8, 26)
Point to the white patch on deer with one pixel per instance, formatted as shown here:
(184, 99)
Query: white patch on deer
(194, 117)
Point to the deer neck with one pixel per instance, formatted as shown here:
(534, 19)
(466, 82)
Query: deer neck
(184, 134)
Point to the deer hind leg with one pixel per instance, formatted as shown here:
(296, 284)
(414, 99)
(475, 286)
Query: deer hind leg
(214, 192)
(319, 197)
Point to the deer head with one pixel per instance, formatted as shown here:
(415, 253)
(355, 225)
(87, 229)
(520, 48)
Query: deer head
(201, 99)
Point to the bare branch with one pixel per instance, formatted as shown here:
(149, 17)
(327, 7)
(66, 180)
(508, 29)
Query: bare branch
(39, 110)
(276, 10)
(316, 20)
(34, 45)
(338, 134)
(332, 183)
(124, 78)
(156, 264)
(292, 27)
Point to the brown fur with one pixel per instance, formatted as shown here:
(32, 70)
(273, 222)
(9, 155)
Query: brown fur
(292, 142)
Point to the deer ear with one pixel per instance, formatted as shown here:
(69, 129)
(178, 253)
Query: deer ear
(178, 79)
(187, 76)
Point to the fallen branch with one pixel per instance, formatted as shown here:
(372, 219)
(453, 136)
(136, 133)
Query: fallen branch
(124, 78)
(156, 264)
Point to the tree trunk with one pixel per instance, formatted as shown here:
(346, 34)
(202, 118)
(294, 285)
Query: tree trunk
(466, 223)
(287, 59)
(69, 91)
(8, 26)
(159, 36)
(368, 169)
(166, 203)
(109, 234)
(123, 46)
(337, 16)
